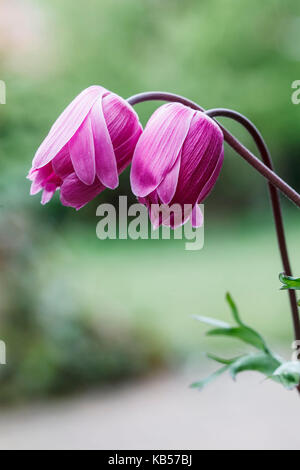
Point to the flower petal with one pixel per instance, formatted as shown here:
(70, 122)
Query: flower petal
(82, 152)
(125, 151)
(38, 177)
(197, 217)
(62, 164)
(158, 147)
(200, 154)
(212, 180)
(121, 119)
(74, 193)
(66, 125)
(48, 193)
(167, 187)
(106, 165)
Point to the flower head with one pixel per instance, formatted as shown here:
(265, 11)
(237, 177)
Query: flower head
(177, 161)
(87, 148)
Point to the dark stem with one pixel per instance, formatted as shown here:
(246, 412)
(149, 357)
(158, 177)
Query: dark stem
(275, 200)
(266, 169)
(269, 174)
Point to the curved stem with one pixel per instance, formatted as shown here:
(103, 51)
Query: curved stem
(275, 200)
(269, 174)
(162, 96)
(265, 168)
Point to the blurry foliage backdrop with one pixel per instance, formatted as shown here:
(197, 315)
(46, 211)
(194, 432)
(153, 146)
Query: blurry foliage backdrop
(77, 311)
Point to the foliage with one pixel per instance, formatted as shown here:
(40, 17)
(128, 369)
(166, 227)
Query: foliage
(264, 361)
(290, 283)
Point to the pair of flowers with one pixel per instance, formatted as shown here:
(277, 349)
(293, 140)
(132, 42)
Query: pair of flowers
(175, 160)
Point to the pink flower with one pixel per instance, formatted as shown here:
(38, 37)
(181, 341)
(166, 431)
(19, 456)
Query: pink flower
(177, 161)
(87, 148)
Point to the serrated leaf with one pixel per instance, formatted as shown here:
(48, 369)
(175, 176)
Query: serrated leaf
(263, 363)
(202, 383)
(212, 321)
(245, 334)
(234, 310)
(289, 282)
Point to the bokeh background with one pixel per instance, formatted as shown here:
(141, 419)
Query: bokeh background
(77, 313)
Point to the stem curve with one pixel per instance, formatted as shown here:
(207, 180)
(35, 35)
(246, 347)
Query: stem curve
(265, 168)
(229, 138)
(275, 201)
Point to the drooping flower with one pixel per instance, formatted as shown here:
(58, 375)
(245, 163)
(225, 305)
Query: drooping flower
(87, 148)
(176, 162)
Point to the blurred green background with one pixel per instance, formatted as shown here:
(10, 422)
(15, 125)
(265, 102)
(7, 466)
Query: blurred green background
(77, 312)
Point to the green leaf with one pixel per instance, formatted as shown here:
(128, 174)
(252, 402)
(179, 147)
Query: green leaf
(262, 362)
(292, 367)
(289, 282)
(200, 385)
(211, 321)
(265, 362)
(245, 334)
(234, 310)
(289, 374)
(220, 360)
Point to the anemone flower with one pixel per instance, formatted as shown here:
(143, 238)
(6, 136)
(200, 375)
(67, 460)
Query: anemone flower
(87, 148)
(176, 162)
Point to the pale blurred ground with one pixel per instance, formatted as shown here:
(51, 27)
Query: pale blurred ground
(162, 413)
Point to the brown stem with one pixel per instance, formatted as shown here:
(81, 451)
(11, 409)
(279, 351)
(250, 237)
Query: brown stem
(269, 174)
(266, 169)
(275, 200)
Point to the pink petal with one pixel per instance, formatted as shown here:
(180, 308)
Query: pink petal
(38, 177)
(66, 125)
(167, 187)
(125, 151)
(186, 215)
(200, 154)
(121, 119)
(158, 147)
(170, 215)
(82, 152)
(74, 193)
(106, 165)
(35, 188)
(31, 174)
(62, 164)
(197, 217)
(212, 180)
(48, 193)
